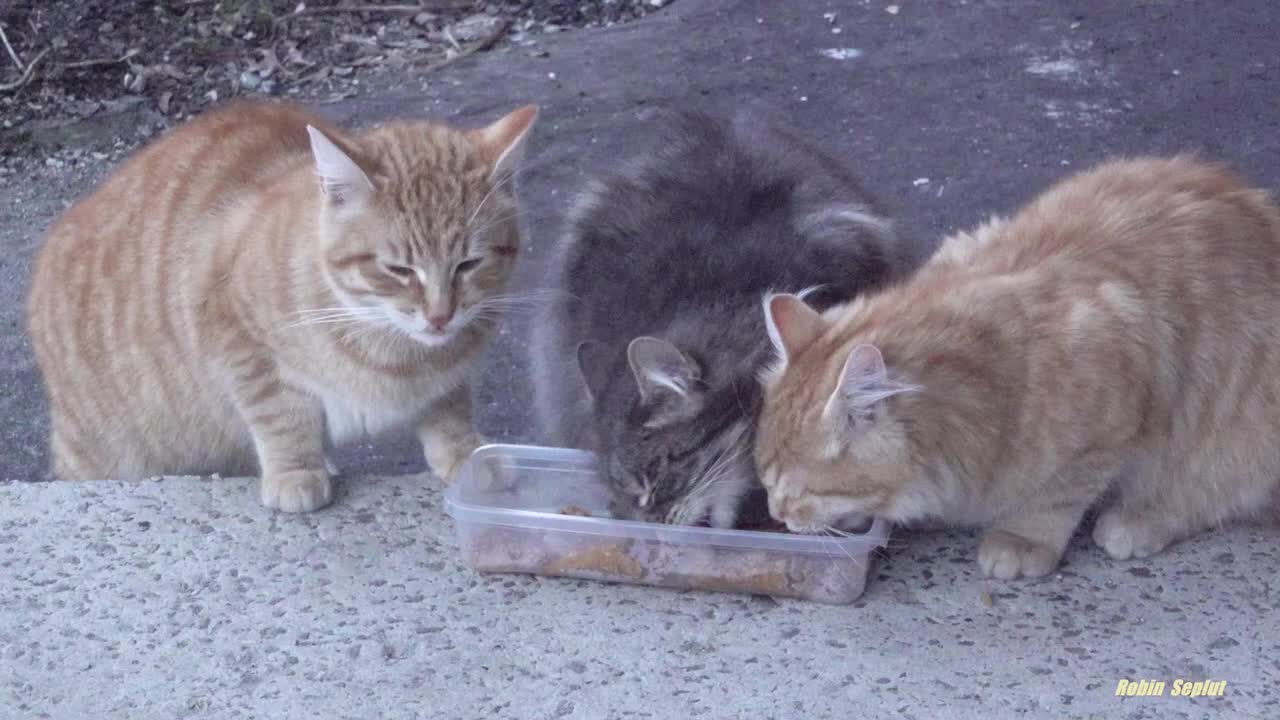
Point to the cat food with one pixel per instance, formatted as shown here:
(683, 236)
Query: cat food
(543, 511)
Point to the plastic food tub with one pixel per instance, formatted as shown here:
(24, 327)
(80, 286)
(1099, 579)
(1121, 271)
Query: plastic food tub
(506, 502)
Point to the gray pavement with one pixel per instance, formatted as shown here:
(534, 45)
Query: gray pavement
(183, 598)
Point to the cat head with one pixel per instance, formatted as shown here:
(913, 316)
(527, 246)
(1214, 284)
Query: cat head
(678, 451)
(418, 224)
(831, 444)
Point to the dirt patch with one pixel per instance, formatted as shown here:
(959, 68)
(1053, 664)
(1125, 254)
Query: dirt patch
(99, 76)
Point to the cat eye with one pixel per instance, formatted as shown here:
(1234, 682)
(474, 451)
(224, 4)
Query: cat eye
(468, 265)
(400, 271)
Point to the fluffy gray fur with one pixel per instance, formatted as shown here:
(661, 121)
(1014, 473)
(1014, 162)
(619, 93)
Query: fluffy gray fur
(649, 356)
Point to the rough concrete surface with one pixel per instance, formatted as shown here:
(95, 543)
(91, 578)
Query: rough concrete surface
(183, 598)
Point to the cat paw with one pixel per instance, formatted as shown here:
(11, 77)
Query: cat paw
(1006, 556)
(297, 491)
(445, 458)
(1124, 537)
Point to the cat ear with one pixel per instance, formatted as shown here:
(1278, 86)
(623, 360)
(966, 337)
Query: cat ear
(502, 143)
(341, 178)
(792, 324)
(593, 364)
(661, 369)
(863, 386)
(667, 379)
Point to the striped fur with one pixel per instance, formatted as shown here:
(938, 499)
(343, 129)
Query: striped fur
(1114, 343)
(210, 309)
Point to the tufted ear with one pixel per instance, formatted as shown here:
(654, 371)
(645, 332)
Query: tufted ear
(660, 368)
(668, 380)
(860, 392)
(341, 178)
(791, 323)
(502, 143)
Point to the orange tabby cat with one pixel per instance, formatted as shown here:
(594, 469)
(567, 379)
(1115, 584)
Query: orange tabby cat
(260, 283)
(1114, 341)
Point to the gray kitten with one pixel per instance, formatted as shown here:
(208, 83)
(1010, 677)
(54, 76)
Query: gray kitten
(649, 357)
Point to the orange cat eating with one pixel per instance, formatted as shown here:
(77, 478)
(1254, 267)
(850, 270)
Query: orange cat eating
(1114, 343)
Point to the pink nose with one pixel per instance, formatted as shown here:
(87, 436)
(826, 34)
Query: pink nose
(438, 322)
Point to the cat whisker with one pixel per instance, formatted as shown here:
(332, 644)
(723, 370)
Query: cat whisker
(530, 304)
(334, 316)
(327, 321)
(489, 194)
(322, 321)
(339, 308)
(510, 304)
(318, 316)
(519, 171)
(360, 330)
(716, 474)
(838, 566)
(842, 533)
(532, 293)
(350, 311)
(505, 305)
(842, 548)
(495, 221)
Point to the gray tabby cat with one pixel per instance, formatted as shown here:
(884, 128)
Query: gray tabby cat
(649, 357)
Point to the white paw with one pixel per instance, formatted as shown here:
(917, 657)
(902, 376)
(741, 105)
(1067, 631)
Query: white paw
(1124, 537)
(1006, 556)
(298, 491)
(445, 458)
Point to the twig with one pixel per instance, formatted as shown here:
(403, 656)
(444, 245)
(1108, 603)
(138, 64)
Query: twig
(480, 46)
(361, 9)
(99, 61)
(448, 35)
(21, 68)
(27, 74)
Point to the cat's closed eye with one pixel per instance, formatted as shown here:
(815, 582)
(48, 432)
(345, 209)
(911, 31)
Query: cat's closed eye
(468, 265)
(401, 271)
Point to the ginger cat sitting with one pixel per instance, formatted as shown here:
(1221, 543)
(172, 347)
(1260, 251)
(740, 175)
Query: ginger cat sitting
(1113, 343)
(259, 284)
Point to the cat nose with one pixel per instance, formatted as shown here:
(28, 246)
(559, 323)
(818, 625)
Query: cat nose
(438, 321)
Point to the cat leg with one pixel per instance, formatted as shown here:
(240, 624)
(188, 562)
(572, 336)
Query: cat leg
(329, 464)
(1148, 517)
(447, 435)
(288, 432)
(1159, 507)
(1138, 532)
(1030, 542)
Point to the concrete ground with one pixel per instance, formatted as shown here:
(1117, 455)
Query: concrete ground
(184, 598)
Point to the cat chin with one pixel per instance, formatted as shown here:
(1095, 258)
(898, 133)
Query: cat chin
(432, 341)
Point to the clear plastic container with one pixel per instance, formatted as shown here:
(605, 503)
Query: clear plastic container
(507, 500)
